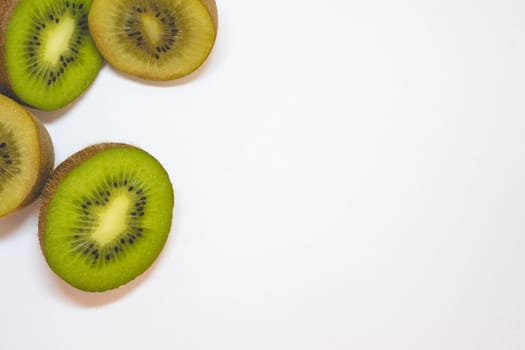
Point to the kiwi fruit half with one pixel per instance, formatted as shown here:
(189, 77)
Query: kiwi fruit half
(105, 217)
(26, 156)
(47, 56)
(154, 39)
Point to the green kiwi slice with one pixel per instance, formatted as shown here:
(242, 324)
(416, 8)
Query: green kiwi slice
(47, 56)
(105, 217)
(154, 39)
(26, 156)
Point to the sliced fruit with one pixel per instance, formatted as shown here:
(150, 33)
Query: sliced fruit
(106, 214)
(154, 39)
(47, 57)
(26, 156)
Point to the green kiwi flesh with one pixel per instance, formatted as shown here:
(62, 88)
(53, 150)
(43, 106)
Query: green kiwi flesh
(106, 214)
(154, 39)
(26, 156)
(48, 57)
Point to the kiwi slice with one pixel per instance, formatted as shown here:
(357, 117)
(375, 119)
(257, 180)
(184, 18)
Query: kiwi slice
(154, 39)
(26, 156)
(47, 57)
(105, 216)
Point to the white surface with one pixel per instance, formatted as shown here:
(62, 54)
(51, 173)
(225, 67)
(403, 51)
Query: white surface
(348, 175)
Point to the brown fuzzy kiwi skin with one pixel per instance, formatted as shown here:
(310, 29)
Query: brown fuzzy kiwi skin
(6, 9)
(61, 171)
(212, 10)
(45, 165)
(47, 161)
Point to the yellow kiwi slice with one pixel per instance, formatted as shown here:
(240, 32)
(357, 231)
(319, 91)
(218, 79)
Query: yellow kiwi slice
(154, 39)
(26, 156)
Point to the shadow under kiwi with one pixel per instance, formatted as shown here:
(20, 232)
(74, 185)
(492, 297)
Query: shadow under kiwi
(13, 221)
(169, 83)
(98, 299)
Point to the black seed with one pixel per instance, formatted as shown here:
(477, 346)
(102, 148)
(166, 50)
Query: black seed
(108, 257)
(57, 20)
(37, 43)
(37, 28)
(158, 49)
(67, 3)
(139, 10)
(139, 234)
(86, 251)
(43, 25)
(51, 17)
(115, 249)
(122, 241)
(49, 82)
(54, 79)
(91, 245)
(80, 6)
(133, 214)
(131, 241)
(88, 203)
(140, 229)
(157, 14)
(143, 198)
(2, 145)
(74, 5)
(130, 188)
(139, 191)
(76, 236)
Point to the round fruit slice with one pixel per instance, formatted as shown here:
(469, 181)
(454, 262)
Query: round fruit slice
(26, 156)
(154, 39)
(106, 214)
(47, 57)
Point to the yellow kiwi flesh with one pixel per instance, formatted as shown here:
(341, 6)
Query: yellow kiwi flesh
(26, 156)
(154, 39)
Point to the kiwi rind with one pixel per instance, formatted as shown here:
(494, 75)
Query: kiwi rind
(114, 56)
(6, 9)
(46, 159)
(16, 86)
(58, 176)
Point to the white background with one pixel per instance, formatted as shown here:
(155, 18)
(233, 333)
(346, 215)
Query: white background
(348, 175)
